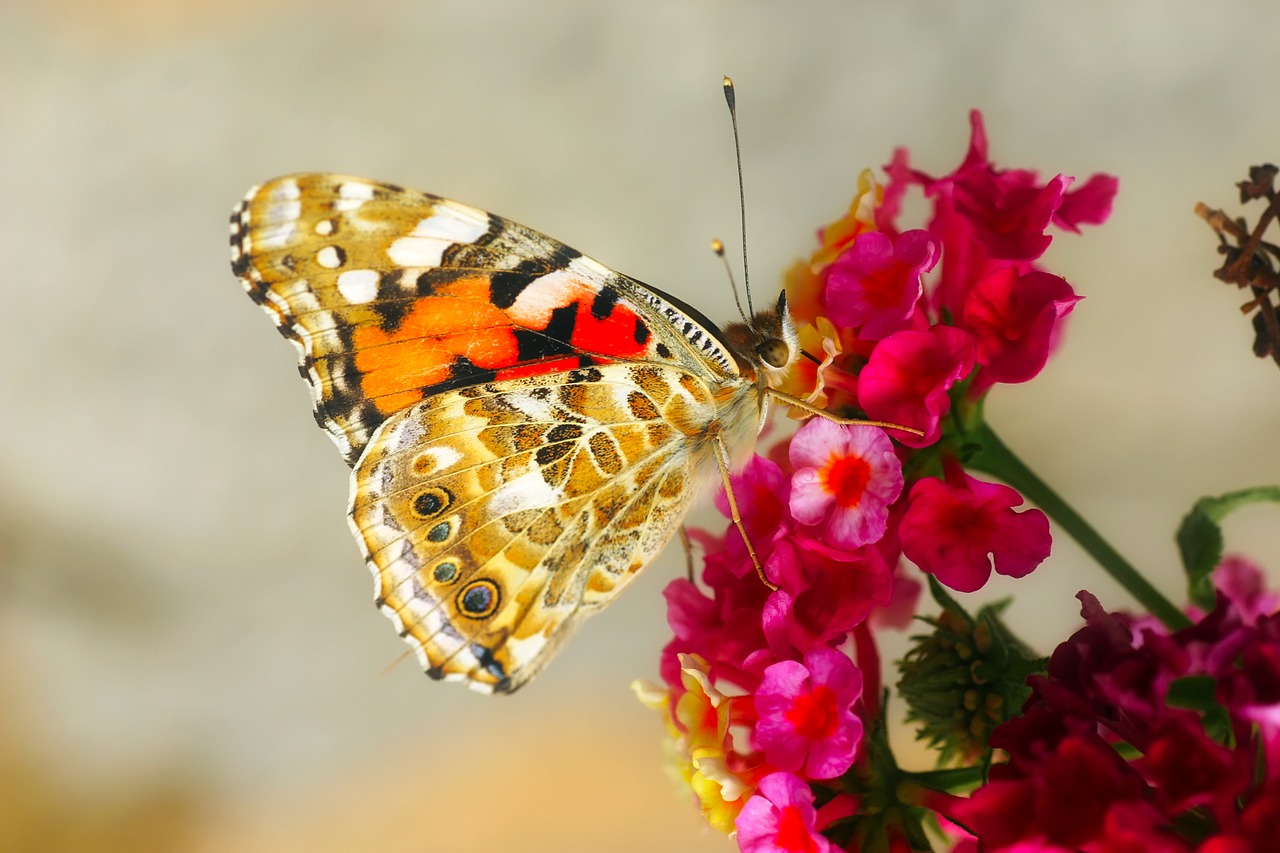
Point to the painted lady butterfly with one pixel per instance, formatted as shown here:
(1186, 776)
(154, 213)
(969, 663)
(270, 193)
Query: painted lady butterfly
(526, 427)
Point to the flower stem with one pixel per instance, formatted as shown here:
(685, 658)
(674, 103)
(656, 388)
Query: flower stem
(994, 457)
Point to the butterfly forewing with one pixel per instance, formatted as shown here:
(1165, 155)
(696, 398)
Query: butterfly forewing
(392, 295)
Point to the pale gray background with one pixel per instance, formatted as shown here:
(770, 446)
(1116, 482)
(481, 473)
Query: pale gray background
(189, 652)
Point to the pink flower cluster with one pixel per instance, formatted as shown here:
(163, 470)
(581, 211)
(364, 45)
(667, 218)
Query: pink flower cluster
(769, 694)
(1198, 712)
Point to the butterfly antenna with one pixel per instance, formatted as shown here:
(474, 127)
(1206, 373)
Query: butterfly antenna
(718, 247)
(742, 195)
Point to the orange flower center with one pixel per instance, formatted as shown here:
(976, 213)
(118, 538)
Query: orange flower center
(846, 479)
(814, 714)
(793, 835)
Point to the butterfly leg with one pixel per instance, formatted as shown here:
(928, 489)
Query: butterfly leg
(687, 543)
(806, 406)
(722, 459)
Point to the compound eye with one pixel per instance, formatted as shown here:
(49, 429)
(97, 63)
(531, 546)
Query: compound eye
(774, 352)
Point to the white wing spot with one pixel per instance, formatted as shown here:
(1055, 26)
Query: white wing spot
(281, 220)
(424, 246)
(444, 457)
(324, 227)
(351, 195)
(358, 286)
(329, 258)
(528, 491)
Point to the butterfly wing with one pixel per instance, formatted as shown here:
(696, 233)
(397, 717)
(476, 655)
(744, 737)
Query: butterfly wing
(496, 517)
(525, 425)
(391, 296)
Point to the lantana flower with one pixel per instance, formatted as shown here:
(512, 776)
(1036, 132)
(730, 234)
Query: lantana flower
(876, 284)
(957, 529)
(1013, 317)
(781, 818)
(908, 375)
(846, 477)
(806, 717)
(773, 694)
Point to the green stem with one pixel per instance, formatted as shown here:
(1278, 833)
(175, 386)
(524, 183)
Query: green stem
(993, 457)
(951, 779)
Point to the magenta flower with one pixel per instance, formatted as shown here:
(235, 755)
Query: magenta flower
(1089, 203)
(1007, 209)
(780, 818)
(806, 719)
(956, 530)
(823, 594)
(907, 376)
(761, 491)
(1013, 319)
(845, 479)
(1009, 213)
(874, 285)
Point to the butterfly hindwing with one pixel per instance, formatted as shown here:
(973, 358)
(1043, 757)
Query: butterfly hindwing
(495, 517)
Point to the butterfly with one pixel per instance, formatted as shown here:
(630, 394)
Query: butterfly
(526, 427)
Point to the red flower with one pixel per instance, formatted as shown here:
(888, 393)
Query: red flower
(1066, 803)
(1089, 203)
(1013, 319)
(823, 593)
(956, 530)
(874, 285)
(907, 376)
(1009, 213)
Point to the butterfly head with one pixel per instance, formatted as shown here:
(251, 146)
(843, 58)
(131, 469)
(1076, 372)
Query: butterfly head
(768, 346)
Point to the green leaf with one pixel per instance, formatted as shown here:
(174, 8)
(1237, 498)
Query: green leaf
(1200, 540)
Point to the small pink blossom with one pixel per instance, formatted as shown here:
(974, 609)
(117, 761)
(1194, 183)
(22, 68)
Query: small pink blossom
(1013, 319)
(780, 818)
(907, 376)
(1009, 212)
(1244, 582)
(875, 284)
(956, 530)
(845, 479)
(823, 594)
(806, 714)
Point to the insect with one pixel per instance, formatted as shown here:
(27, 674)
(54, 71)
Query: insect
(526, 427)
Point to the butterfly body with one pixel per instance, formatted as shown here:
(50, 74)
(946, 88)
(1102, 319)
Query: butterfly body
(526, 427)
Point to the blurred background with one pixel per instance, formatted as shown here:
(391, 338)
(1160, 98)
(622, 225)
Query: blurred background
(189, 657)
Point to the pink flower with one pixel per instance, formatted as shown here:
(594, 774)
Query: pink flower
(1089, 203)
(806, 718)
(761, 491)
(845, 479)
(907, 376)
(780, 818)
(875, 284)
(1007, 209)
(1008, 212)
(955, 530)
(1244, 582)
(1013, 319)
(823, 594)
